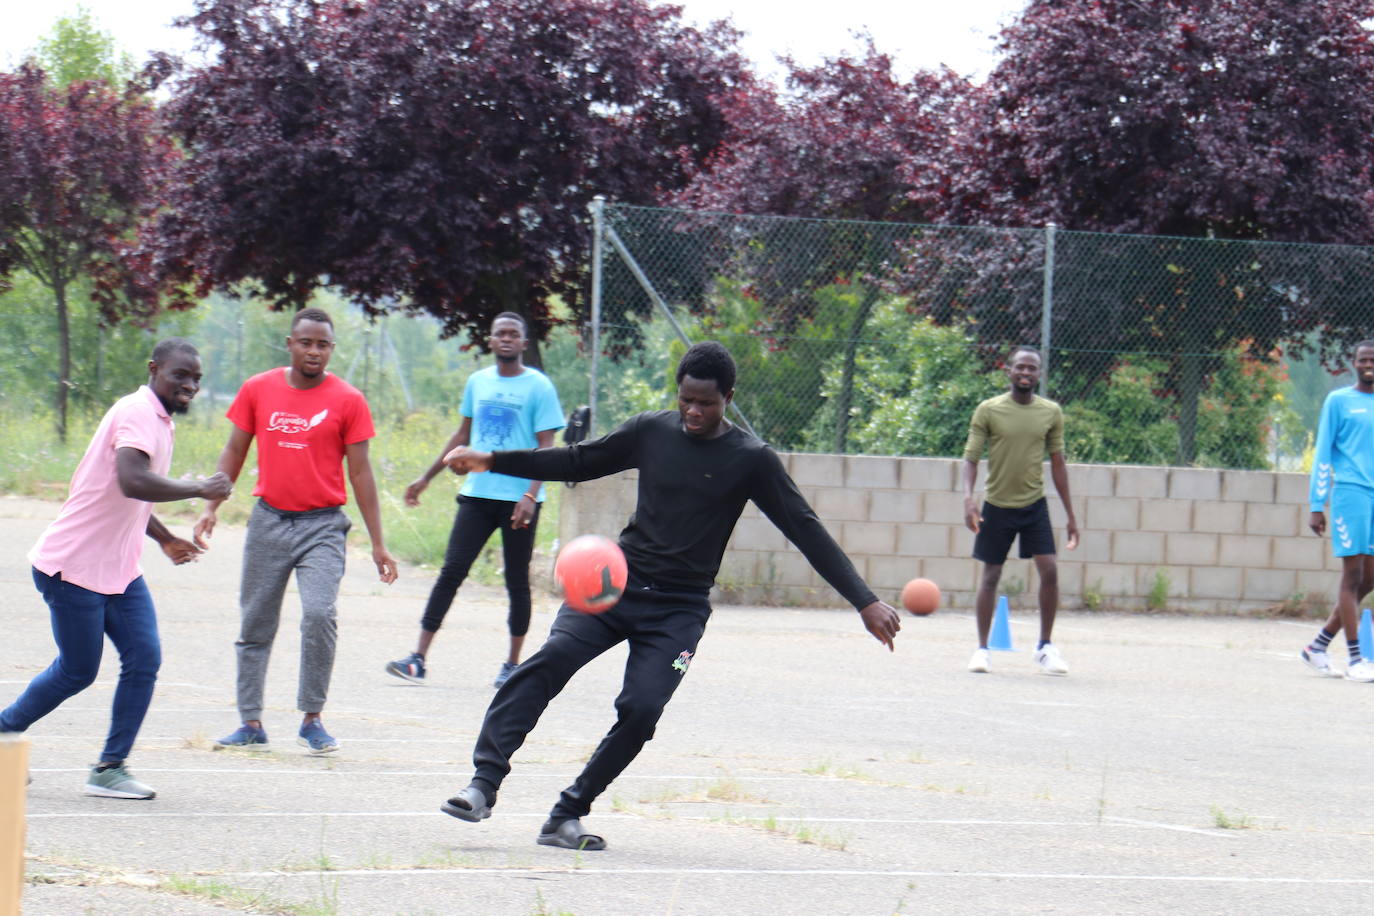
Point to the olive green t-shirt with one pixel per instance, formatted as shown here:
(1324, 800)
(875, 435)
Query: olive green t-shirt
(1017, 438)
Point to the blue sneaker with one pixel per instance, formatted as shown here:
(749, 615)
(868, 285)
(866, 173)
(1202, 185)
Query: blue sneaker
(317, 739)
(411, 668)
(507, 669)
(246, 736)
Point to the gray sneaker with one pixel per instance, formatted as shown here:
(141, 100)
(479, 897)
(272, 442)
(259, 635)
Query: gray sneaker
(507, 669)
(116, 782)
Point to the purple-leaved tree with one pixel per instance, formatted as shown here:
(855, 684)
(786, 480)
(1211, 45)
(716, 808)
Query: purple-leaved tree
(432, 157)
(1238, 119)
(82, 168)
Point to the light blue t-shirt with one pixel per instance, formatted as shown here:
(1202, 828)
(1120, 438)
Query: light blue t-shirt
(1345, 445)
(506, 413)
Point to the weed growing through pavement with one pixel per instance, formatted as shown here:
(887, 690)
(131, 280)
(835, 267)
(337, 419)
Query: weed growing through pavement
(1093, 599)
(541, 907)
(798, 831)
(1223, 821)
(1158, 598)
(722, 790)
(222, 892)
(826, 768)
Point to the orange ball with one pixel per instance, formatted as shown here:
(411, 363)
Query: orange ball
(591, 571)
(921, 596)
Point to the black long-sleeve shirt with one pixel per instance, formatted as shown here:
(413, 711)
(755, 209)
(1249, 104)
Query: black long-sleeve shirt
(691, 493)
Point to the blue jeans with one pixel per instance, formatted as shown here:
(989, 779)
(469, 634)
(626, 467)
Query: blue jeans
(81, 619)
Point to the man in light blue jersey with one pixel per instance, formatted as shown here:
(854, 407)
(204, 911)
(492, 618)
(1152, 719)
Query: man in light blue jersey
(505, 406)
(1343, 471)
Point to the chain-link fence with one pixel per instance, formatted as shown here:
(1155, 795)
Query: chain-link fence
(881, 338)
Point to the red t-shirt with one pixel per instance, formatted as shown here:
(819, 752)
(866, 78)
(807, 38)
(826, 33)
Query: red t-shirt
(302, 434)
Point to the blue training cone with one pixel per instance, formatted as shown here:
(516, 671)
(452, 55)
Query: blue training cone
(1366, 635)
(1000, 638)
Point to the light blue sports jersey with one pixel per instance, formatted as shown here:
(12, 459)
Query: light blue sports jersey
(1345, 445)
(506, 413)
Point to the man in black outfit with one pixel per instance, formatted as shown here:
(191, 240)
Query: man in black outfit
(696, 470)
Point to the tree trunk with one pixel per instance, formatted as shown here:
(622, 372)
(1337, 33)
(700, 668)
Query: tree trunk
(851, 346)
(64, 357)
(514, 289)
(100, 335)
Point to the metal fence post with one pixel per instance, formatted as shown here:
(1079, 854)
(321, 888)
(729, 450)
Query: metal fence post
(647, 285)
(598, 208)
(1047, 309)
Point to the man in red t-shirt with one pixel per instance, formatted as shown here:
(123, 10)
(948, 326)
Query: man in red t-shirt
(307, 423)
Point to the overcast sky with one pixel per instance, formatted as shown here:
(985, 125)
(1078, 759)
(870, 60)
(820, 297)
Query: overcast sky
(917, 35)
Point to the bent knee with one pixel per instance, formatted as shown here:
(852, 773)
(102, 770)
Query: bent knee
(76, 679)
(641, 717)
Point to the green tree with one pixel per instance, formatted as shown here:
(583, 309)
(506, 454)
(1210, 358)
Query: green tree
(77, 49)
(916, 385)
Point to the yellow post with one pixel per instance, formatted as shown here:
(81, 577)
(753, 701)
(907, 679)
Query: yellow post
(14, 777)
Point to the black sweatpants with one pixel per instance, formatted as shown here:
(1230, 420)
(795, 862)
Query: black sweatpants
(477, 518)
(662, 629)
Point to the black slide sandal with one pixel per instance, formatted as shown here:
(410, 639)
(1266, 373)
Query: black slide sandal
(570, 835)
(468, 805)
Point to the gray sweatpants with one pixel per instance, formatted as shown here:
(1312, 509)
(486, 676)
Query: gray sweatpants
(312, 544)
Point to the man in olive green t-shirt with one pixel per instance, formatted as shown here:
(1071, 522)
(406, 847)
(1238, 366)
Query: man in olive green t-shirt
(1017, 429)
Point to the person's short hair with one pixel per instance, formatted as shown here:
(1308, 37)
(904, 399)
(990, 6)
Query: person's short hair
(1360, 346)
(1011, 357)
(312, 314)
(513, 316)
(708, 360)
(165, 348)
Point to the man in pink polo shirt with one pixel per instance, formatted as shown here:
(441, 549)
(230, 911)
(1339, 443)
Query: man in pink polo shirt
(86, 563)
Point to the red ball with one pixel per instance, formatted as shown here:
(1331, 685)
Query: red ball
(591, 571)
(921, 596)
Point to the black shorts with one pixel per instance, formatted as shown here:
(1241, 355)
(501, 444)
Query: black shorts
(1001, 526)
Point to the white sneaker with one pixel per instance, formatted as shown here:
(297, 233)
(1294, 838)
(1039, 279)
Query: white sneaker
(1050, 661)
(978, 661)
(1319, 662)
(1360, 671)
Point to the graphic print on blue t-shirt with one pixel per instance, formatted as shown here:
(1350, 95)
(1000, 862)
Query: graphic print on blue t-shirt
(498, 422)
(507, 413)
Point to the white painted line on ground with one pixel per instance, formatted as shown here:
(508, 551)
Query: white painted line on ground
(624, 777)
(583, 869)
(1228, 834)
(709, 818)
(463, 739)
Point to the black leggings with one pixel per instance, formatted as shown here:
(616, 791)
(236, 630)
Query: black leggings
(662, 630)
(477, 518)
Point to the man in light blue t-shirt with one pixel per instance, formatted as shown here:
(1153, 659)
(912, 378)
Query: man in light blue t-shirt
(506, 406)
(1343, 471)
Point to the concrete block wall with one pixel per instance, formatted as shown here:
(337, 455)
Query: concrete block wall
(1209, 540)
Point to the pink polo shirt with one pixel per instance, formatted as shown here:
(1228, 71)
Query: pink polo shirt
(97, 537)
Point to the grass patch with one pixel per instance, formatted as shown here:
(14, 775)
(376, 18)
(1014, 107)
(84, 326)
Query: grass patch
(225, 894)
(1223, 821)
(542, 907)
(722, 790)
(34, 463)
(826, 768)
(1158, 598)
(797, 831)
